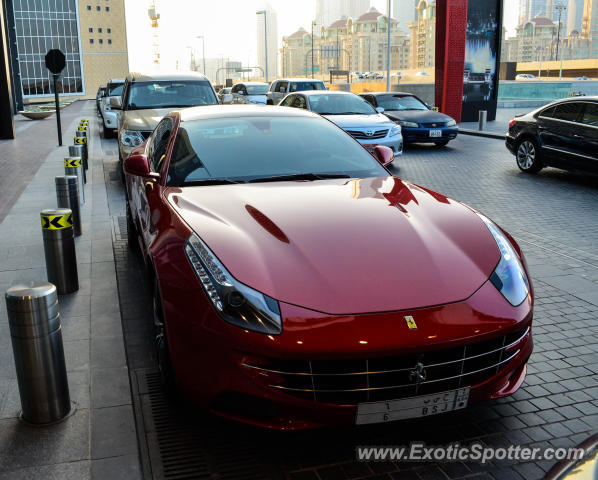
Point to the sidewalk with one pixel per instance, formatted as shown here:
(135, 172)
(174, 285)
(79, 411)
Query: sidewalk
(499, 126)
(99, 439)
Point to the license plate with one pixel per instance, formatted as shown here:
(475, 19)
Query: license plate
(436, 133)
(413, 407)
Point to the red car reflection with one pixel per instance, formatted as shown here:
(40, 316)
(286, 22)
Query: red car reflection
(297, 283)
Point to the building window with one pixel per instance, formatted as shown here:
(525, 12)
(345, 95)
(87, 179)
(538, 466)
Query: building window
(88, 7)
(109, 30)
(91, 40)
(107, 9)
(91, 30)
(100, 30)
(109, 41)
(98, 8)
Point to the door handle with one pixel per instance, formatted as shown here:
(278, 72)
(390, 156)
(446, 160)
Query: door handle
(576, 135)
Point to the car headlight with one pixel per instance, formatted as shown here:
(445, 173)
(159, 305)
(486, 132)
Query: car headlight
(395, 130)
(234, 301)
(131, 138)
(508, 277)
(451, 123)
(403, 123)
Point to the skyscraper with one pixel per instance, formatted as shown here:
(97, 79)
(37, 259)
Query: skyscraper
(404, 11)
(529, 9)
(328, 11)
(271, 27)
(574, 15)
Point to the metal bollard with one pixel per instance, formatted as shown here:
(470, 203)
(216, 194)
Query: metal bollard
(59, 248)
(81, 139)
(482, 120)
(36, 336)
(79, 151)
(67, 196)
(73, 166)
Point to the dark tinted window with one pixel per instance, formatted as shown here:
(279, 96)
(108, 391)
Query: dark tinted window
(546, 113)
(568, 111)
(301, 86)
(395, 102)
(590, 115)
(247, 148)
(159, 144)
(280, 86)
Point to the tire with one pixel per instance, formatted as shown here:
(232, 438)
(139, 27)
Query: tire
(107, 131)
(131, 231)
(527, 156)
(161, 343)
(442, 143)
(269, 102)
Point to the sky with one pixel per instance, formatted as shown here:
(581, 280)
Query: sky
(229, 28)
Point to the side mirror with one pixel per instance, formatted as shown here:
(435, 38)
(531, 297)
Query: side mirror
(383, 154)
(138, 165)
(116, 103)
(379, 109)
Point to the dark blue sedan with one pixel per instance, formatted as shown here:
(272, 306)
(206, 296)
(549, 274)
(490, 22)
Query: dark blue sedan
(418, 122)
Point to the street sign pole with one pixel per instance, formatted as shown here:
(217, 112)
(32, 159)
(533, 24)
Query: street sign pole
(56, 75)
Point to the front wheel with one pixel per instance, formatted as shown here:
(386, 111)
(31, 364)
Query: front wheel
(528, 156)
(161, 343)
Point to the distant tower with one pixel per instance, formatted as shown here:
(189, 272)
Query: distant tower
(154, 17)
(329, 11)
(574, 15)
(405, 12)
(272, 32)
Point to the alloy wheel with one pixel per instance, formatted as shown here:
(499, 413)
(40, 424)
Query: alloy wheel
(526, 155)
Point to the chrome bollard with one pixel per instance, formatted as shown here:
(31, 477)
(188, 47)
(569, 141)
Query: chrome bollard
(81, 139)
(73, 166)
(67, 196)
(79, 151)
(59, 248)
(482, 120)
(36, 336)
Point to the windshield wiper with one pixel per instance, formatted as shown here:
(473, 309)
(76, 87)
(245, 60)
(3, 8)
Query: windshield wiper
(299, 176)
(211, 181)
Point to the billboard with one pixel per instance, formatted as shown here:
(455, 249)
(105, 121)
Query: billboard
(482, 54)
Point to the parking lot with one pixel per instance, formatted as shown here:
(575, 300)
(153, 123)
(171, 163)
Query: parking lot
(551, 215)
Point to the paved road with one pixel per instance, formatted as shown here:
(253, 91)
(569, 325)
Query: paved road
(552, 215)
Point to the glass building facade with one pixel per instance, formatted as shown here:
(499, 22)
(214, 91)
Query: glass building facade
(41, 25)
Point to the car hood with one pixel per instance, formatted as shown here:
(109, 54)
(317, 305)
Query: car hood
(360, 121)
(144, 119)
(418, 116)
(343, 246)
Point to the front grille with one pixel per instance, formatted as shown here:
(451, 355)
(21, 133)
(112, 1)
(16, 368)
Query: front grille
(146, 134)
(359, 135)
(353, 381)
(434, 125)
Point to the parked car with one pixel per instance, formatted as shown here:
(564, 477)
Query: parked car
(562, 134)
(353, 114)
(99, 95)
(397, 74)
(224, 95)
(422, 74)
(114, 88)
(419, 123)
(279, 88)
(147, 98)
(250, 92)
(297, 283)
(582, 78)
(525, 76)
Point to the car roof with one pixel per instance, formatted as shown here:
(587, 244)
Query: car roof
(252, 83)
(379, 94)
(321, 92)
(298, 79)
(236, 111)
(147, 77)
(116, 80)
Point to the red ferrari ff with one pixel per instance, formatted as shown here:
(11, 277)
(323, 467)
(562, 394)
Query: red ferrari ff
(297, 283)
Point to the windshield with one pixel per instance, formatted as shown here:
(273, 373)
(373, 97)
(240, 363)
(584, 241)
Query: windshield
(340, 105)
(257, 89)
(400, 103)
(253, 148)
(115, 90)
(302, 86)
(167, 94)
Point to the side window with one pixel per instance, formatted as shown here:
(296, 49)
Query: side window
(235, 88)
(299, 102)
(569, 111)
(274, 86)
(547, 113)
(282, 87)
(590, 115)
(288, 101)
(370, 99)
(159, 144)
(293, 87)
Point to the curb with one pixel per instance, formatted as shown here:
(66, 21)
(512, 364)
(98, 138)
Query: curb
(477, 133)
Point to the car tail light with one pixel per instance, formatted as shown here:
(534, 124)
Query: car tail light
(512, 122)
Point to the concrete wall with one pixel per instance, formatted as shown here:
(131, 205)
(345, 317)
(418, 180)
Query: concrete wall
(425, 91)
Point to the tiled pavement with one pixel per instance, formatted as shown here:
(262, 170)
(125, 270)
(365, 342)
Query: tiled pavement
(553, 217)
(98, 440)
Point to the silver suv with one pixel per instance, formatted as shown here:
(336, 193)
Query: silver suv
(280, 88)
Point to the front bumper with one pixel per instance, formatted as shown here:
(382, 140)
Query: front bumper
(110, 120)
(511, 143)
(213, 361)
(422, 134)
(395, 142)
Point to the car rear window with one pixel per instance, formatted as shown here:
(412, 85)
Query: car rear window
(302, 86)
(569, 111)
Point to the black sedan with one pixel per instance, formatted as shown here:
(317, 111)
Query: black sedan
(562, 134)
(419, 123)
